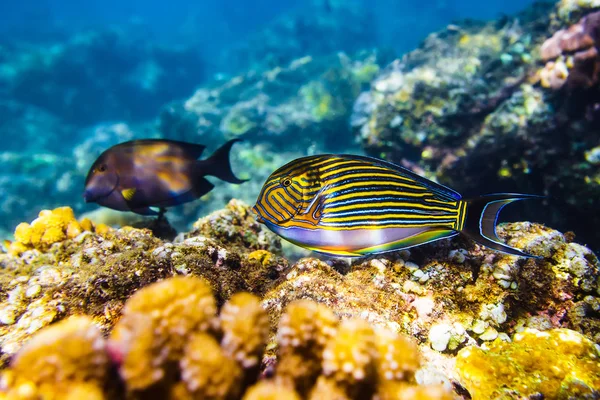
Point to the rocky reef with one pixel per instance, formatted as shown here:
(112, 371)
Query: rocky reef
(430, 323)
(482, 107)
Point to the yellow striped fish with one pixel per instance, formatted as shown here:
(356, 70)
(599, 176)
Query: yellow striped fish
(348, 205)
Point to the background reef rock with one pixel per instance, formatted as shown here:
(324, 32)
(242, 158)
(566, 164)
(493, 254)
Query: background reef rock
(473, 108)
(306, 102)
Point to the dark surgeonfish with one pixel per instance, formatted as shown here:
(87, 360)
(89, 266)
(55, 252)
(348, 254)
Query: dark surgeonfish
(347, 205)
(137, 175)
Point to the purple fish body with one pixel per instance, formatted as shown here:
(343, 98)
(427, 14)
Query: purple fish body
(137, 175)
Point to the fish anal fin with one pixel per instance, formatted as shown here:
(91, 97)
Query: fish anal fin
(201, 186)
(145, 211)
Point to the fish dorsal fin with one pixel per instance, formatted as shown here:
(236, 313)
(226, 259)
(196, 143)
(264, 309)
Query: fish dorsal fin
(440, 191)
(128, 193)
(192, 149)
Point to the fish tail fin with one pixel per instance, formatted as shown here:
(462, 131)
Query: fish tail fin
(218, 164)
(482, 216)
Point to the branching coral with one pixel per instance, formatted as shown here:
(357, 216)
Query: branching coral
(351, 361)
(245, 327)
(207, 372)
(167, 344)
(157, 323)
(304, 330)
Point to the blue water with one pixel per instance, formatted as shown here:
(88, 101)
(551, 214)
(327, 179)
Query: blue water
(213, 24)
(77, 77)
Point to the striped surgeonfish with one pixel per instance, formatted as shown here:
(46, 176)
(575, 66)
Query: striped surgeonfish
(348, 205)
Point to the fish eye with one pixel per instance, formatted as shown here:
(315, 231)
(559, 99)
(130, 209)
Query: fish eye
(287, 182)
(102, 168)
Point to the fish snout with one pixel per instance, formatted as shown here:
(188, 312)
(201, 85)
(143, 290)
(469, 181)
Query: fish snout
(88, 196)
(259, 218)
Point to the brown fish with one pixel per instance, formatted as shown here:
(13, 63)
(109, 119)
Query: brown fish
(139, 174)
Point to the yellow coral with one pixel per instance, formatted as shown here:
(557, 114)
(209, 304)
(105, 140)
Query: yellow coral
(51, 226)
(86, 224)
(262, 256)
(327, 389)
(270, 391)
(349, 358)
(23, 233)
(304, 330)
(548, 362)
(68, 357)
(245, 326)
(209, 374)
(156, 324)
(399, 357)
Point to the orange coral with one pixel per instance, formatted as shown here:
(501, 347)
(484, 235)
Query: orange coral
(245, 327)
(207, 372)
(61, 361)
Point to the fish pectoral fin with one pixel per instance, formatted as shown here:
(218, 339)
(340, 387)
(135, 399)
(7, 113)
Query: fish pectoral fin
(314, 212)
(128, 193)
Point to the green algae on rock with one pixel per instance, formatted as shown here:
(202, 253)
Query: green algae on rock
(556, 364)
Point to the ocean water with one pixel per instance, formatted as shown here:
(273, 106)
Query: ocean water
(289, 77)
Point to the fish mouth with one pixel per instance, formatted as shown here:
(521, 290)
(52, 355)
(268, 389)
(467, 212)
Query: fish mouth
(257, 215)
(89, 197)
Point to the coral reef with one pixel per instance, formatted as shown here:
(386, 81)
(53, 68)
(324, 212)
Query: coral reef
(308, 98)
(382, 327)
(473, 107)
(95, 271)
(554, 364)
(170, 340)
(449, 295)
(572, 55)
